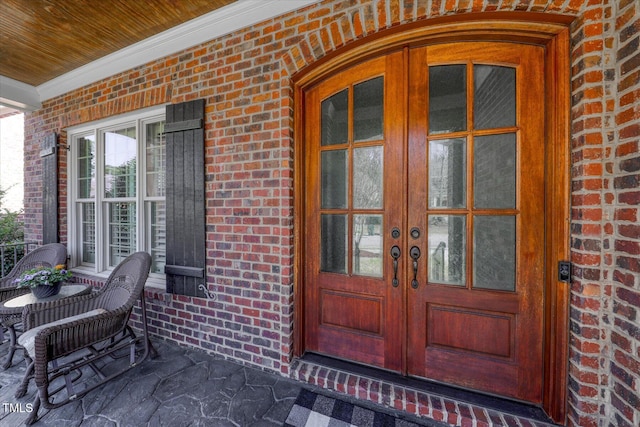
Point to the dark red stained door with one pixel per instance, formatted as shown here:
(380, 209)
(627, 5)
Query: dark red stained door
(424, 215)
(476, 192)
(354, 138)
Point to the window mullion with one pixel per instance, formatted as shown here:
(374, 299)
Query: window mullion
(101, 243)
(141, 185)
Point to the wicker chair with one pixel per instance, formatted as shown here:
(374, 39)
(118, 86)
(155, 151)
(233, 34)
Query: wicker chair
(77, 332)
(45, 256)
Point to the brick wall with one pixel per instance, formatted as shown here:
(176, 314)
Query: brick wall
(622, 229)
(604, 361)
(590, 64)
(245, 78)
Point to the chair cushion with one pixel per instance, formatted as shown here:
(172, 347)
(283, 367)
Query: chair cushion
(27, 340)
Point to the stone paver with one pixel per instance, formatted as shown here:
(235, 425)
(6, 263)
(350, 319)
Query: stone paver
(182, 387)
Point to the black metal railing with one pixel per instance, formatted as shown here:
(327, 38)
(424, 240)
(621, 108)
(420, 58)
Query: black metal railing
(11, 253)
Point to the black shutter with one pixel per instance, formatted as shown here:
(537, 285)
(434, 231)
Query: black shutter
(49, 155)
(185, 267)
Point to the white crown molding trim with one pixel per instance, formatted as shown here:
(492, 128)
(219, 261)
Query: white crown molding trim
(238, 15)
(18, 95)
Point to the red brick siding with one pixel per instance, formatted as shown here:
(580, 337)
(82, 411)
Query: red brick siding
(622, 228)
(591, 109)
(604, 361)
(245, 78)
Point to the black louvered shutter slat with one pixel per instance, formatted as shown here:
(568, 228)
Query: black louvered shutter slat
(185, 196)
(49, 155)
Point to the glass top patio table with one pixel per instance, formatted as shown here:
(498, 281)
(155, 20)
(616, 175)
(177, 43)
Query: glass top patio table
(65, 291)
(11, 312)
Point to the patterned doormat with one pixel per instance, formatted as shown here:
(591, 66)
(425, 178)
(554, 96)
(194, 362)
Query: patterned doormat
(316, 410)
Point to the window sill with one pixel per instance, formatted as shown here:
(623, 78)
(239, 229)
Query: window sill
(155, 282)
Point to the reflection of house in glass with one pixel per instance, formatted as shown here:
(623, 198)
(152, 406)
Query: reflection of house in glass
(360, 156)
(447, 190)
(494, 175)
(447, 172)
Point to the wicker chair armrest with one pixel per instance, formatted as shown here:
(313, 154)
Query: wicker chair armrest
(46, 312)
(60, 340)
(7, 282)
(8, 293)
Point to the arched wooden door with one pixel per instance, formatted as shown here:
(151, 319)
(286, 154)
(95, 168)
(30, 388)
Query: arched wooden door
(424, 212)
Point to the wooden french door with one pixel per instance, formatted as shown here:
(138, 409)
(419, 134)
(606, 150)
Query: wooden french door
(424, 214)
(353, 199)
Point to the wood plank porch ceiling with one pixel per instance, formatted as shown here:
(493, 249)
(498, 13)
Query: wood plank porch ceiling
(43, 39)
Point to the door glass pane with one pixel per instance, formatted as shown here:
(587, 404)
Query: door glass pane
(334, 179)
(367, 178)
(156, 159)
(333, 246)
(367, 245)
(120, 163)
(447, 172)
(368, 101)
(494, 96)
(494, 171)
(334, 125)
(86, 167)
(122, 231)
(494, 251)
(447, 98)
(447, 245)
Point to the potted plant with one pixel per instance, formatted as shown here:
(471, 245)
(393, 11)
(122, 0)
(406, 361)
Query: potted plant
(44, 281)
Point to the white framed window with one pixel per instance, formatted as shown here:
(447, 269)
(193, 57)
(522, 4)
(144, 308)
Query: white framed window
(117, 191)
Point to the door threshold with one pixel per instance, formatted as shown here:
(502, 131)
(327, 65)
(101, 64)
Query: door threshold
(420, 397)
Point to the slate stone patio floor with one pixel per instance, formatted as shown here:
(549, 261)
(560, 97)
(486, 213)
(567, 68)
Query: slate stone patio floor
(181, 387)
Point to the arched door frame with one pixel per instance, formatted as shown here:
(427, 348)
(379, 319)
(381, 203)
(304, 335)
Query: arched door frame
(548, 30)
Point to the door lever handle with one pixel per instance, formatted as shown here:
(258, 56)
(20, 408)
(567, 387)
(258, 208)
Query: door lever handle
(395, 254)
(414, 253)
